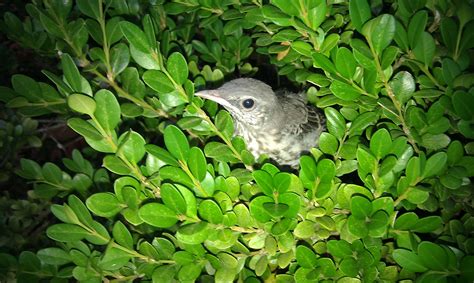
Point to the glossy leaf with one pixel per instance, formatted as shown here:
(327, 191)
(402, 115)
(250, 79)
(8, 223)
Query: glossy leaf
(176, 142)
(157, 215)
(177, 67)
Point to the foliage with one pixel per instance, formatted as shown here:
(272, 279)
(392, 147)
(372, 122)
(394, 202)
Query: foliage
(386, 196)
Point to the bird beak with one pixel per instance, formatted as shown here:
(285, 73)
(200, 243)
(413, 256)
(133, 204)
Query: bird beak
(214, 96)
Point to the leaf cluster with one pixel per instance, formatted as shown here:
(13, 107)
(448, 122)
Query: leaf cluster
(385, 197)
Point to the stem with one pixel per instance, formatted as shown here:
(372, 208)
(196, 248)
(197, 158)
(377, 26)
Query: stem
(392, 96)
(106, 46)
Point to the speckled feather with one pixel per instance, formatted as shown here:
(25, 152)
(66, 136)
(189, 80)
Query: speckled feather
(281, 125)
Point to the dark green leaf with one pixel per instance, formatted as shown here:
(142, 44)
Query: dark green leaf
(380, 32)
(416, 27)
(53, 256)
(425, 48)
(409, 260)
(359, 12)
(71, 73)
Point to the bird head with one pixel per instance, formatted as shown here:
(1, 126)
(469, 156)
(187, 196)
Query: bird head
(249, 101)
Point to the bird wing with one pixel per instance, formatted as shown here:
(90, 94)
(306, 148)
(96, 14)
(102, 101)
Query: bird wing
(300, 117)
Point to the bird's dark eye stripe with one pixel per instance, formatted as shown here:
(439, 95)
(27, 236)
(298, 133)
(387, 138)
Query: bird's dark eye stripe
(248, 103)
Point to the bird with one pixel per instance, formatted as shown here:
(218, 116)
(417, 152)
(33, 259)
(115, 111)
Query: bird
(279, 124)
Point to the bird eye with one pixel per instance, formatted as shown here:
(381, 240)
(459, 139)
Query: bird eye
(248, 103)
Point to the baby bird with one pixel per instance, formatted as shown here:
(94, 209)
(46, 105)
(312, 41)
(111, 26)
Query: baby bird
(280, 125)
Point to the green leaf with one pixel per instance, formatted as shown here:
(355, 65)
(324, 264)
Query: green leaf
(114, 258)
(104, 204)
(317, 14)
(380, 32)
(345, 63)
(323, 62)
(224, 123)
(289, 8)
(305, 257)
(131, 146)
(282, 182)
(172, 198)
(264, 181)
(406, 221)
(119, 58)
(326, 170)
(435, 142)
(158, 215)
(328, 143)
(158, 81)
(339, 248)
(307, 171)
(367, 162)
(116, 165)
(361, 208)
(89, 8)
(26, 87)
(54, 256)
(275, 209)
(219, 152)
(403, 86)
(362, 122)
(429, 224)
(122, 236)
(177, 67)
(359, 12)
(210, 211)
(108, 110)
(189, 272)
(80, 209)
(30, 169)
(293, 201)
(52, 173)
(66, 232)
(176, 142)
(335, 122)
(257, 210)
(161, 154)
(463, 103)
(84, 128)
(433, 256)
(381, 143)
(193, 234)
(425, 48)
(135, 36)
(409, 260)
(71, 73)
(197, 163)
(177, 175)
(357, 227)
(416, 27)
(435, 164)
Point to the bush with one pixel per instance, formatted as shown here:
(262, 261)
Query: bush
(160, 190)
